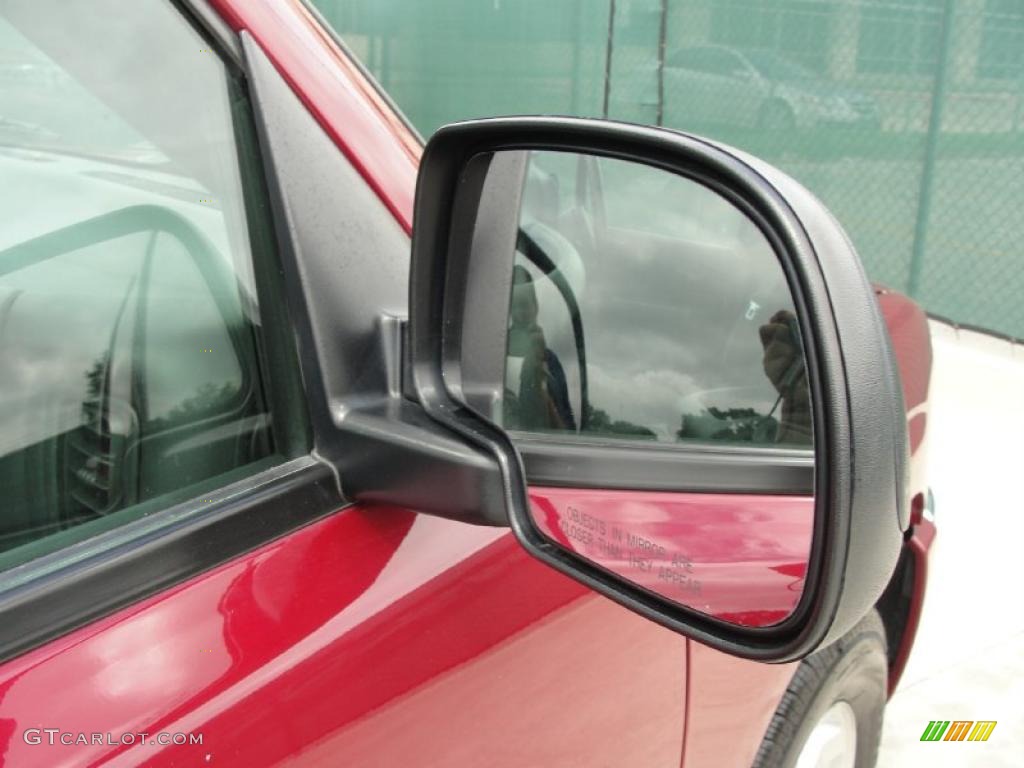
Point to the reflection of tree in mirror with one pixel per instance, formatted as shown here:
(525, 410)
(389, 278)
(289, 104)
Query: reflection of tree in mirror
(208, 400)
(740, 425)
(94, 381)
(96, 387)
(600, 422)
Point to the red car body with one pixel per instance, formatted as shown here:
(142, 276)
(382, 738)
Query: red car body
(384, 637)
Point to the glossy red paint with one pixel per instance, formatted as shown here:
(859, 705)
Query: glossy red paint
(739, 558)
(729, 701)
(337, 94)
(327, 643)
(319, 648)
(729, 704)
(331, 640)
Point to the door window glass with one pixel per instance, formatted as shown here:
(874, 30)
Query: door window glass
(128, 315)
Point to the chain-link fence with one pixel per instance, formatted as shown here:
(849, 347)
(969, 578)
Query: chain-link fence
(905, 116)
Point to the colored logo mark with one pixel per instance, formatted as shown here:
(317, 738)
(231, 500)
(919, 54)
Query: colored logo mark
(958, 730)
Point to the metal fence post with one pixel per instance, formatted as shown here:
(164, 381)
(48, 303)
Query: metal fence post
(924, 204)
(574, 94)
(608, 57)
(662, 31)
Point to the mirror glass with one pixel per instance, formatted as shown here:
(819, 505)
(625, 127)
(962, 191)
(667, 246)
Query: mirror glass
(649, 311)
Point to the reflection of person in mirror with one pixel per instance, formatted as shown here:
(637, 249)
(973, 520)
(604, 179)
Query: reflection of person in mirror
(784, 366)
(539, 394)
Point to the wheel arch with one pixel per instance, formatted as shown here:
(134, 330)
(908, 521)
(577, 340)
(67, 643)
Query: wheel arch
(901, 602)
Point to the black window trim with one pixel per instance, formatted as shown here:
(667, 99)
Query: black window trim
(698, 467)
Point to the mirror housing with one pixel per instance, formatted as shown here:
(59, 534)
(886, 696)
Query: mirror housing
(449, 459)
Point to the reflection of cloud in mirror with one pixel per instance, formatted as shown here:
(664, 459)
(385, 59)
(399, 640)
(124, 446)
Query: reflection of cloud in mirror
(654, 359)
(651, 395)
(655, 201)
(676, 290)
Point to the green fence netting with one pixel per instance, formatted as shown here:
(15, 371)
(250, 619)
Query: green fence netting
(905, 116)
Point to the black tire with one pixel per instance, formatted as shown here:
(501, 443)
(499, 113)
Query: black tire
(854, 669)
(776, 117)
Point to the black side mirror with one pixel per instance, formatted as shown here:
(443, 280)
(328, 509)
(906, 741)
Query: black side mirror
(756, 502)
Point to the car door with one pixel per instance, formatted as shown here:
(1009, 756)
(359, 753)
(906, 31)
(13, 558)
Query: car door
(191, 275)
